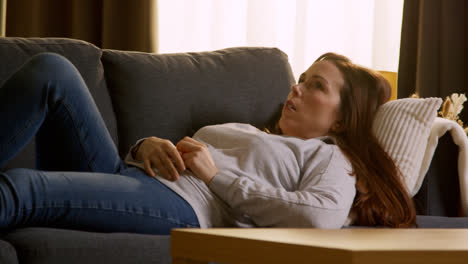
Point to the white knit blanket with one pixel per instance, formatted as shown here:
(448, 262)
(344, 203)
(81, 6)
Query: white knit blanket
(439, 128)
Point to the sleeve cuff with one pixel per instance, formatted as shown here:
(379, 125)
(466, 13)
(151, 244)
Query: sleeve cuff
(222, 184)
(129, 157)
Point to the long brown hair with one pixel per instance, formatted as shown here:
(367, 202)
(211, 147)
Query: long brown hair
(381, 198)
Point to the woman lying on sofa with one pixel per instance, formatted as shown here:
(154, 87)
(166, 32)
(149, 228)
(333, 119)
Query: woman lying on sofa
(318, 166)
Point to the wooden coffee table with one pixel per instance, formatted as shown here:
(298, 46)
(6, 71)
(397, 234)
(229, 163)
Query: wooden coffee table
(272, 245)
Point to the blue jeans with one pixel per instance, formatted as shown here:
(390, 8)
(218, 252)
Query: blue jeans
(80, 181)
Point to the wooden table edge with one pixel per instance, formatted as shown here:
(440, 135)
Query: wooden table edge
(240, 251)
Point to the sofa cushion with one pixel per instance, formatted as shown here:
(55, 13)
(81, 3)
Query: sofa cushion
(402, 127)
(85, 56)
(427, 221)
(7, 253)
(48, 245)
(173, 95)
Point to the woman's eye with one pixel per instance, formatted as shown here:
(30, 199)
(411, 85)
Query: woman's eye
(318, 85)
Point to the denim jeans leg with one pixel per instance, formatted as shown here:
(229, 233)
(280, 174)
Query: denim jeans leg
(131, 202)
(48, 98)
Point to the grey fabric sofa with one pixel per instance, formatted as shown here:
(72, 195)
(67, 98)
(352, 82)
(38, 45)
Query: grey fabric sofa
(171, 96)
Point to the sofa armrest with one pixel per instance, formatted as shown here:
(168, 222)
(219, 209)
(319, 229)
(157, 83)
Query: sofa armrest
(439, 194)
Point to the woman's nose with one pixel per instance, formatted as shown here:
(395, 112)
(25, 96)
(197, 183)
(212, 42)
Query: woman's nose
(296, 89)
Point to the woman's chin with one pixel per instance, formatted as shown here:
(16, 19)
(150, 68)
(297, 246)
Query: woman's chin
(285, 126)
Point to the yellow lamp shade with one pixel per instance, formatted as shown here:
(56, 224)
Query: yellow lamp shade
(392, 79)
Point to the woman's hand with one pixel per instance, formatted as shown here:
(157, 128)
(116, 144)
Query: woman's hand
(163, 155)
(198, 159)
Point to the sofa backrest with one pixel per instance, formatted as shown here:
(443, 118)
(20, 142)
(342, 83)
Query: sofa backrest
(173, 95)
(85, 56)
(165, 95)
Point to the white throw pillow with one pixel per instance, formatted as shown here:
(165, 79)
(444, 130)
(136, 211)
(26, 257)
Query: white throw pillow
(402, 127)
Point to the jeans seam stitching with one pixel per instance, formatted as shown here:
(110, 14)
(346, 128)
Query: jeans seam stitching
(71, 114)
(172, 220)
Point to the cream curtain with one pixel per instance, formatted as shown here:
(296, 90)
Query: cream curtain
(367, 31)
(114, 24)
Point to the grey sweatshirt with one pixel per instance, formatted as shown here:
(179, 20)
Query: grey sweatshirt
(268, 180)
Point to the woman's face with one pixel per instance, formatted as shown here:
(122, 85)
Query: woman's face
(312, 107)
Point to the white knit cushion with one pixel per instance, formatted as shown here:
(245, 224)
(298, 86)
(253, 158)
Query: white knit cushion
(402, 127)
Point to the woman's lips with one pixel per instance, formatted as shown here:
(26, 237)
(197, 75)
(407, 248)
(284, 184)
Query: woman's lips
(290, 106)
